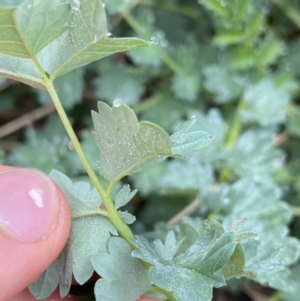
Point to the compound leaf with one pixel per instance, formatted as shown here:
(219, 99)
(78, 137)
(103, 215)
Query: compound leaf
(189, 275)
(54, 37)
(89, 235)
(126, 283)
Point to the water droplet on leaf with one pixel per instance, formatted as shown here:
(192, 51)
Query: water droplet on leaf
(75, 5)
(153, 40)
(70, 146)
(117, 103)
(109, 35)
(212, 137)
(194, 117)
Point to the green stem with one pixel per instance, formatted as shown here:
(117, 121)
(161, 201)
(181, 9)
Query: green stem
(235, 128)
(296, 210)
(232, 136)
(113, 215)
(149, 102)
(92, 212)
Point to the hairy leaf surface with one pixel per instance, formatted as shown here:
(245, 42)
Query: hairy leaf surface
(128, 281)
(89, 235)
(127, 146)
(55, 37)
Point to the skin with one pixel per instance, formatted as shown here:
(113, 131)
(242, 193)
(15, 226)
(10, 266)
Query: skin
(30, 259)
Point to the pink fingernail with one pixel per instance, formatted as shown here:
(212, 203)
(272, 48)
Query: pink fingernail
(28, 204)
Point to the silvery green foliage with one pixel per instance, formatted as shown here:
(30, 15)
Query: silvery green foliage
(76, 37)
(124, 278)
(89, 235)
(184, 141)
(255, 156)
(190, 261)
(127, 146)
(271, 107)
(264, 256)
(123, 197)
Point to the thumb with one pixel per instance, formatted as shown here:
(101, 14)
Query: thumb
(34, 227)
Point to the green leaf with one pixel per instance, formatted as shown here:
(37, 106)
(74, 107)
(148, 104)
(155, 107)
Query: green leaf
(128, 281)
(189, 275)
(265, 258)
(255, 156)
(222, 84)
(55, 37)
(265, 103)
(127, 146)
(193, 175)
(184, 142)
(52, 142)
(124, 196)
(186, 85)
(49, 280)
(89, 235)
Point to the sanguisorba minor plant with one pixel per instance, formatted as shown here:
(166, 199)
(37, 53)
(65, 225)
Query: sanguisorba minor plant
(41, 40)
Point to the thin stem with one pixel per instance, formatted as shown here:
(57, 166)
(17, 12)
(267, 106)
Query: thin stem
(235, 128)
(92, 212)
(113, 215)
(149, 102)
(296, 210)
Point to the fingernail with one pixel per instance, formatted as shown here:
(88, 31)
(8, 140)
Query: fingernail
(29, 204)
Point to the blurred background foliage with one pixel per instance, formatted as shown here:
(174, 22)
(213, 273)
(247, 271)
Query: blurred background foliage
(236, 65)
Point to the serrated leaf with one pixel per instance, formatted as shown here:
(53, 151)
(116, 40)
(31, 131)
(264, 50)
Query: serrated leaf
(167, 250)
(56, 37)
(265, 103)
(127, 146)
(187, 284)
(52, 142)
(184, 142)
(193, 176)
(124, 196)
(255, 156)
(186, 85)
(89, 235)
(222, 84)
(126, 283)
(235, 267)
(127, 217)
(48, 281)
